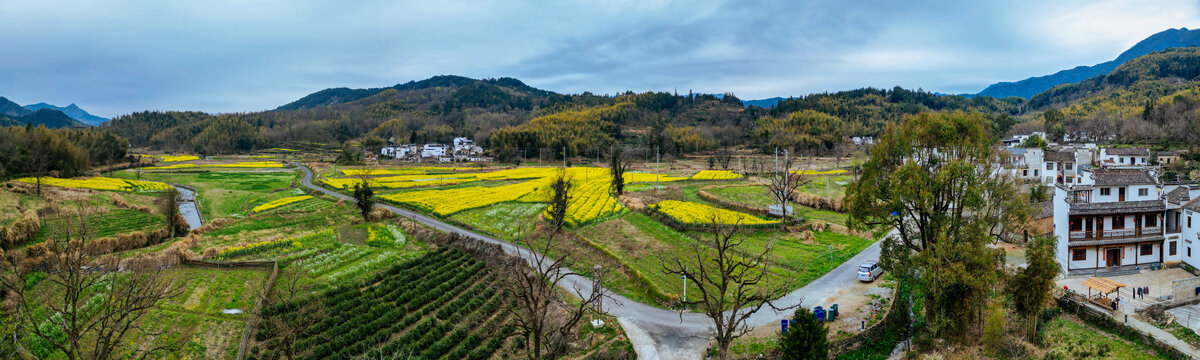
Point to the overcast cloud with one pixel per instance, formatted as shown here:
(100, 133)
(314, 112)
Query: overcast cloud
(115, 57)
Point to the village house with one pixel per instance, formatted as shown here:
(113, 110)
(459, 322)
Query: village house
(1124, 157)
(1121, 218)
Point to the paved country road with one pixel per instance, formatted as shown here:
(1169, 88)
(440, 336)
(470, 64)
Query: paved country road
(656, 333)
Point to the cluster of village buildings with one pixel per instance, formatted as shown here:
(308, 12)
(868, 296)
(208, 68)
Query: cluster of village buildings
(461, 150)
(1111, 209)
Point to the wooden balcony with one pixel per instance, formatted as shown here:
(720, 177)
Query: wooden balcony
(1116, 233)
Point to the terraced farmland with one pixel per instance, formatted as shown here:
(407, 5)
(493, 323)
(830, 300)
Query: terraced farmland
(440, 305)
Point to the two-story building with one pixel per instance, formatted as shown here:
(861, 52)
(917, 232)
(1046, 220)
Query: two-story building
(434, 150)
(1108, 219)
(1124, 157)
(1124, 218)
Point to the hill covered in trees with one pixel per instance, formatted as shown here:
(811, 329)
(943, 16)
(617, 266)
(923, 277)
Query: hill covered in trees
(512, 119)
(1150, 99)
(1032, 86)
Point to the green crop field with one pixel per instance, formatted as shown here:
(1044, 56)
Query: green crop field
(437, 305)
(503, 220)
(224, 194)
(111, 221)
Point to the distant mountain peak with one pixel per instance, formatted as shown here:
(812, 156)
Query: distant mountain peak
(1026, 88)
(73, 111)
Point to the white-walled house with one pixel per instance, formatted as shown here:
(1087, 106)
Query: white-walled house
(1122, 219)
(399, 151)
(1055, 166)
(1124, 157)
(434, 150)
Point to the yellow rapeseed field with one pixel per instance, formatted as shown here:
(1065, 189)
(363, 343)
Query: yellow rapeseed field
(280, 202)
(100, 183)
(244, 164)
(827, 172)
(370, 172)
(177, 158)
(696, 213)
(632, 177)
(716, 175)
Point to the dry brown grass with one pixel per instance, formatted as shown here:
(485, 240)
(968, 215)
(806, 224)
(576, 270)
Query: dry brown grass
(25, 228)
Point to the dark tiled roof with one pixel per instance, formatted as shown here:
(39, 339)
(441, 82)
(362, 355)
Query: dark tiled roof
(1168, 153)
(1128, 151)
(1178, 196)
(1117, 207)
(1043, 210)
(1060, 156)
(1122, 178)
(1193, 205)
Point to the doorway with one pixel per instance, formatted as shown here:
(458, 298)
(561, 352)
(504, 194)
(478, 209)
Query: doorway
(1112, 256)
(1121, 194)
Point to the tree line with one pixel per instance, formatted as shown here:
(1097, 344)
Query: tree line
(38, 151)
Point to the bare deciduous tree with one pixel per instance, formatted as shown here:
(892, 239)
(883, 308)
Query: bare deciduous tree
(723, 156)
(89, 303)
(782, 187)
(732, 286)
(532, 279)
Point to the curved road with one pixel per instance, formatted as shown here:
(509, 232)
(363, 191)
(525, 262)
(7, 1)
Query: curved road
(656, 333)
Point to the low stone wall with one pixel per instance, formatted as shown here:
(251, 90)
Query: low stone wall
(1185, 289)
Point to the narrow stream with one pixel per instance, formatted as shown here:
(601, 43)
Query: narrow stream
(187, 207)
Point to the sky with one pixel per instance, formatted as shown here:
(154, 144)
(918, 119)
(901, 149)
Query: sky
(117, 57)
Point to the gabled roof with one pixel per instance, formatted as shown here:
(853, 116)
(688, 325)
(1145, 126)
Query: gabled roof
(1102, 178)
(1127, 151)
(1193, 205)
(1178, 196)
(1105, 285)
(1060, 156)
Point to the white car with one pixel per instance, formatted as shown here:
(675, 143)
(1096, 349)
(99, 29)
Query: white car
(869, 271)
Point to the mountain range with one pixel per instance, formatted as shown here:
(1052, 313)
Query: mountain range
(1027, 88)
(70, 110)
(12, 114)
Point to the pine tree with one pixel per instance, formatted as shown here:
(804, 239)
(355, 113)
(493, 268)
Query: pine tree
(805, 338)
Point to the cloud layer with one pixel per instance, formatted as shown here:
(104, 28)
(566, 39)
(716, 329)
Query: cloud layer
(227, 56)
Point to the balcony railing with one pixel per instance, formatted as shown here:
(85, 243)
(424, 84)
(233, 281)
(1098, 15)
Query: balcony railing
(1116, 233)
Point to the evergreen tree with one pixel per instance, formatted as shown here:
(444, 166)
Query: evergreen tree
(363, 198)
(805, 339)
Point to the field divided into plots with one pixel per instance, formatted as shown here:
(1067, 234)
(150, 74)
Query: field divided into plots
(437, 306)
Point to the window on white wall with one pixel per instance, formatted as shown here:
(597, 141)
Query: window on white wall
(1143, 192)
(1049, 166)
(1070, 166)
(1173, 248)
(1078, 255)
(1105, 191)
(1147, 249)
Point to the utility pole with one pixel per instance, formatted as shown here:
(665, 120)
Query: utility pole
(684, 277)
(655, 167)
(830, 257)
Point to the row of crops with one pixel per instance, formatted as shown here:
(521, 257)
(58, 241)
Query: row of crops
(440, 305)
(695, 213)
(99, 183)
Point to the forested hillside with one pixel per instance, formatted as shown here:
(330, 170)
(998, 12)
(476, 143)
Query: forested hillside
(1032, 86)
(38, 151)
(1152, 98)
(514, 119)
